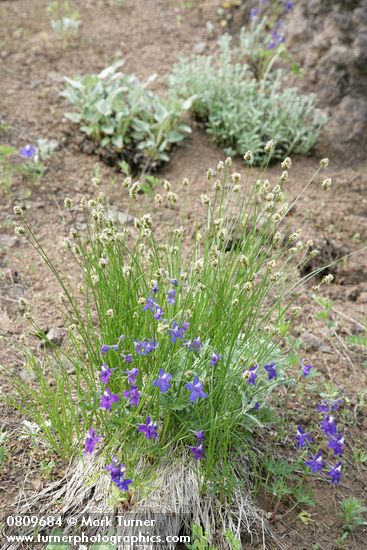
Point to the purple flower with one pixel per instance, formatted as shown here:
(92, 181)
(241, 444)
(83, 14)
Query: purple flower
(163, 381)
(306, 369)
(105, 348)
(198, 451)
(256, 407)
(271, 370)
(215, 358)
(117, 474)
(149, 429)
(200, 436)
(289, 6)
(150, 304)
(155, 288)
(253, 13)
(335, 406)
(316, 463)
(171, 295)
(178, 332)
(105, 374)
(174, 282)
(194, 345)
(132, 375)
(90, 441)
(107, 399)
(196, 389)
(144, 347)
(127, 358)
(28, 151)
(302, 437)
(158, 313)
(337, 444)
(323, 406)
(133, 395)
(328, 425)
(252, 375)
(335, 473)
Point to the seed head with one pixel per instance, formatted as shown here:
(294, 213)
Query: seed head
(269, 146)
(158, 199)
(205, 200)
(217, 185)
(209, 174)
(327, 279)
(166, 185)
(284, 176)
(326, 184)
(235, 302)
(134, 190)
(185, 182)
(236, 177)
(228, 162)
(248, 157)
(18, 211)
(126, 183)
(92, 203)
(110, 313)
(179, 231)
(324, 163)
(236, 188)
(295, 310)
(247, 287)
(103, 262)
(220, 166)
(68, 203)
(222, 233)
(287, 163)
(19, 230)
(171, 197)
(244, 261)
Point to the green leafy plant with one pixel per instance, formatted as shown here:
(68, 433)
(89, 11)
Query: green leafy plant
(65, 19)
(120, 114)
(352, 515)
(175, 348)
(243, 105)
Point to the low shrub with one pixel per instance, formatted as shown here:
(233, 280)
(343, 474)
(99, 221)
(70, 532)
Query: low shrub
(244, 101)
(175, 344)
(121, 115)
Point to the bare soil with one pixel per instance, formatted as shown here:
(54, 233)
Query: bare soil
(149, 35)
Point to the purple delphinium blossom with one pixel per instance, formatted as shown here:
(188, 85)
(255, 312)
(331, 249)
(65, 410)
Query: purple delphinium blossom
(144, 347)
(149, 429)
(215, 358)
(253, 13)
(174, 282)
(198, 451)
(335, 406)
(306, 369)
(155, 288)
(337, 444)
(316, 462)
(252, 375)
(105, 348)
(289, 6)
(133, 395)
(200, 436)
(323, 406)
(271, 370)
(132, 375)
(90, 441)
(150, 304)
(163, 381)
(105, 374)
(302, 437)
(127, 358)
(171, 296)
(28, 151)
(108, 398)
(194, 345)
(196, 389)
(117, 474)
(256, 407)
(178, 332)
(158, 313)
(328, 425)
(335, 473)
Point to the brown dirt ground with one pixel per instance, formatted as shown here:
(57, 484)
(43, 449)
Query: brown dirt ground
(150, 34)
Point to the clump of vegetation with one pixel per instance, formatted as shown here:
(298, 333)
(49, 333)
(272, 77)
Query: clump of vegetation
(353, 515)
(121, 115)
(176, 349)
(28, 161)
(65, 19)
(244, 100)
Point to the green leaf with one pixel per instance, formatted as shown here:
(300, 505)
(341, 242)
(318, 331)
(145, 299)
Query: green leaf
(56, 532)
(74, 117)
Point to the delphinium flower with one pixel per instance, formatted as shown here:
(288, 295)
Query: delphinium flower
(194, 345)
(106, 374)
(107, 399)
(91, 441)
(158, 313)
(144, 347)
(271, 370)
(328, 425)
(215, 358)
(302, 437)
(133, 395)
(256, 407)
(117, 474)
(316, 462)
(336, 404)
(171, 296)
(306, 369)
(149, 429)
(174, 282)
(105, 348)
(251, 375)
(198, 451)
(289, 5)
(155, 288)
(178, 332)
(152, 305)
(196, 389)
(28, 151)
(127, 358)
(132, 375)
(253, 13)
(323, 406)
(335, 473)
(163, 381)
(337, 444)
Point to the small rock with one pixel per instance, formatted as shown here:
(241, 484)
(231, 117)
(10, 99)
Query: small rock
(7, 241)
(199, 48)
(54, 335)
(310, 342)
